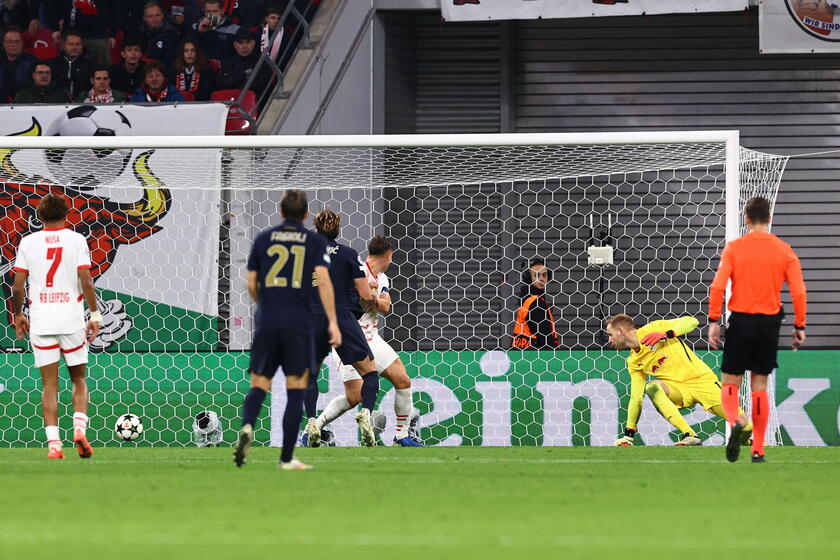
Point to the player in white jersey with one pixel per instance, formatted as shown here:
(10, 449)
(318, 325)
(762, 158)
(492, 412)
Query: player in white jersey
(56, 262)
(388, 363)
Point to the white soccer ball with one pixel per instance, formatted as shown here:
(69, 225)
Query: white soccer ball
(129, 427)
(88, 168)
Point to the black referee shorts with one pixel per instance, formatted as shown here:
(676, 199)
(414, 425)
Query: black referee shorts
(751, 343)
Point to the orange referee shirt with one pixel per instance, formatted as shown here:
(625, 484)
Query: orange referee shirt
(758, 263)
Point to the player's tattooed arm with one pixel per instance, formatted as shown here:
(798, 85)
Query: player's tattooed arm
(383, 302)
(89, 292)
(18, 293)
(367, 299)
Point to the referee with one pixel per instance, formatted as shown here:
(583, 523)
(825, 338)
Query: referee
(757, 264)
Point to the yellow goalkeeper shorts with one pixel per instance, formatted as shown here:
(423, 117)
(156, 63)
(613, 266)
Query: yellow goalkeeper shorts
(704, 391)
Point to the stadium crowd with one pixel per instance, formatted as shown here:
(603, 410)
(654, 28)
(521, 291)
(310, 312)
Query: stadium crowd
(106, 51)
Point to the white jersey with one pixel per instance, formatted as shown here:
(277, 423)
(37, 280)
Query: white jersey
(52, 259)
(370, 320)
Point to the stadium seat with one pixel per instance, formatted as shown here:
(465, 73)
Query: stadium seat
(238, 115)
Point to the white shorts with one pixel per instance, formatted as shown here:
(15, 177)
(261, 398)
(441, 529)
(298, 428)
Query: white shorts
(383, 356)
(48, 348)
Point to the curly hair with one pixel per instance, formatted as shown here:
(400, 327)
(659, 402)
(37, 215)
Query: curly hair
(52, 208)
(200, 64)
(327, 223)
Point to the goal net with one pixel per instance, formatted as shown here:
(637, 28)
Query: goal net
(170, 223)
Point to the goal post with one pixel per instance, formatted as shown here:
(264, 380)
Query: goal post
(172, 220)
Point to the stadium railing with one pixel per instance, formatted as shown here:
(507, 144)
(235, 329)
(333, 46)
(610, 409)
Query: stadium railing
(292, 32)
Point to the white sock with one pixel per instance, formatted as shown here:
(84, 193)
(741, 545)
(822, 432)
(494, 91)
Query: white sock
(403, 403)
(335, 408)
(52, 434)
(80, 422)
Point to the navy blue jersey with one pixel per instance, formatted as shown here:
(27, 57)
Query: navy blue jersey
(345, 267)
(285, 258)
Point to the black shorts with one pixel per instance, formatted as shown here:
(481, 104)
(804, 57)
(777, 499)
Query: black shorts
(751, 343)
(354, 346)
(272, 348)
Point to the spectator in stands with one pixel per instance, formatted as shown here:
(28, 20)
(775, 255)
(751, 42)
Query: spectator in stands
(43, 89)
(97, 21)
(160, 37)
(20, 13)
(215, 31)
(273, 13)
(155, 89)
(534, 327)
(134, 9)
(247, 14)
(127, 76)
(15, 64)
(237, 69)
(192, 72)
(101, 91)
(72, 67)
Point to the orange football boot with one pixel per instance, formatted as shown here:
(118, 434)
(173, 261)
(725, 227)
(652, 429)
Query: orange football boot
(82, 445)
(55, 452)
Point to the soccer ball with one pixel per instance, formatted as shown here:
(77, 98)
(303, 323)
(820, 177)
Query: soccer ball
(129, 427)
(88, 168)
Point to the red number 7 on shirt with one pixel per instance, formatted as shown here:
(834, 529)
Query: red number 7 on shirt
(54, 255)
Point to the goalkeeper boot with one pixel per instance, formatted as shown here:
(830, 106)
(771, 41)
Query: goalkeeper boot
(55, 451)
(756, 458)
(733, 446)
(243, 445)
(312, 433)
(688, 440)
(295, 465)
(746, 437)
(407, 441)
(82, 444)
(365, 428)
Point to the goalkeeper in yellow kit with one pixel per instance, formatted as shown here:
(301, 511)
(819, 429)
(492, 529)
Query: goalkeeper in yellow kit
(681, 379)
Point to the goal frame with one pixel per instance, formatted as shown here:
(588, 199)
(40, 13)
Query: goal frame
(730, 138)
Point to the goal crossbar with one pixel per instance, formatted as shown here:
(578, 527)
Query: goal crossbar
(730, 137)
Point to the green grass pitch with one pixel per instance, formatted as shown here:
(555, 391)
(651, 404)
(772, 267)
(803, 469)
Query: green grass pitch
(394, 503)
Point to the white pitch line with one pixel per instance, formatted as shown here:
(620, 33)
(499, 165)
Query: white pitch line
(315, 459)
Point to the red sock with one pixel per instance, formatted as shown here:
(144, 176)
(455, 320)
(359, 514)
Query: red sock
(760, 416)
(729, 400)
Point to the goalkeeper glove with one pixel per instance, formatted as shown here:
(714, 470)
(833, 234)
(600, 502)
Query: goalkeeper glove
(653, 338)
(627, 439)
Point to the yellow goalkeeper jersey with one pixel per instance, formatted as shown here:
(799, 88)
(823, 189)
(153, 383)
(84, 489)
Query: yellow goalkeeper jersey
(669, 360)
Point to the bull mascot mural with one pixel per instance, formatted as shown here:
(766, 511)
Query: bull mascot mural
(106, 224)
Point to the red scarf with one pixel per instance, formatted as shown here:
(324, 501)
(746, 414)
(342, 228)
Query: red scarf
(156, 98)
(107, 97)
(181, 81)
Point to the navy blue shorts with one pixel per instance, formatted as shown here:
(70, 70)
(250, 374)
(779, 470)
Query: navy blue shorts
(354, 346)
(273, 348)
